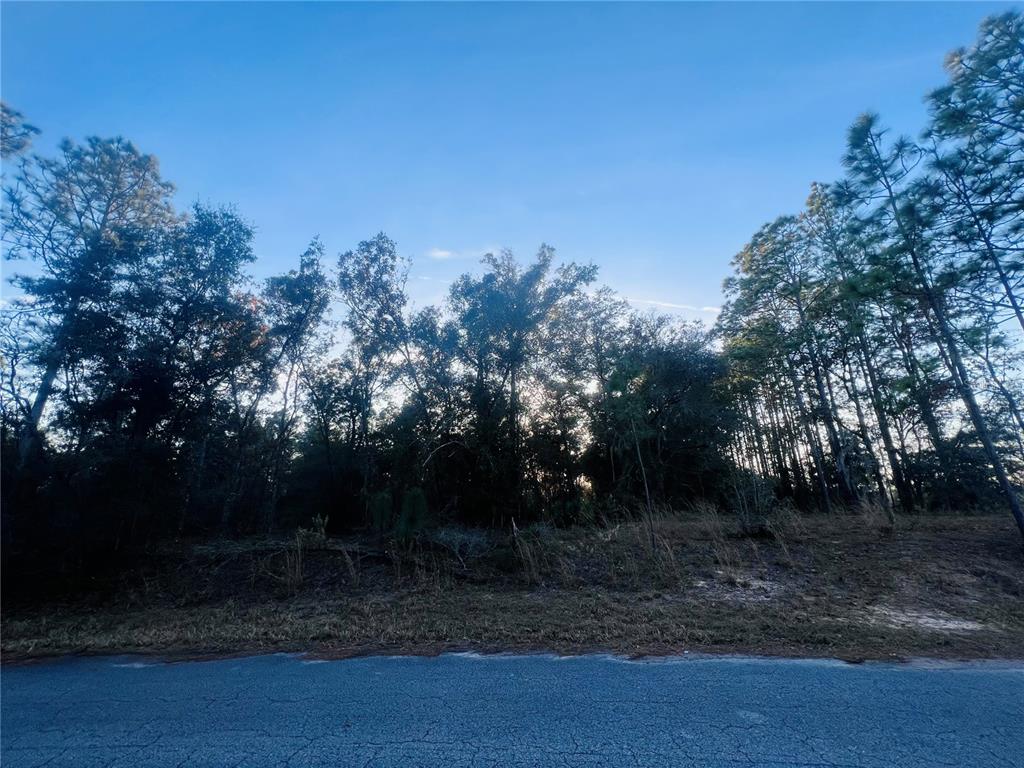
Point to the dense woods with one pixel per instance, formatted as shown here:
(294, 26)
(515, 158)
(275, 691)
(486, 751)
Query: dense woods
(869, 353)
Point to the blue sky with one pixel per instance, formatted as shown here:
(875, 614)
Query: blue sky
(651, 140)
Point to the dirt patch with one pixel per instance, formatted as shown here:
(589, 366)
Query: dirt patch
(935, 621)
(941, 587)
(739, 587)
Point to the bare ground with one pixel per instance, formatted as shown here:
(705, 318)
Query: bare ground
(949, 587)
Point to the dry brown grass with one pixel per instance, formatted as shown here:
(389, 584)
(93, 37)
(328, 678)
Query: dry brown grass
(841, 586)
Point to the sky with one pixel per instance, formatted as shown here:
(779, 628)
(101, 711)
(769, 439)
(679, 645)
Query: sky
(649, 139)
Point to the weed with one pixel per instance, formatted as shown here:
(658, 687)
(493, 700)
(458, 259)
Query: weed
(725, 554)
(525, 551)
(752, 501)
(316, 536)
(353, 571)
(293, 564)
(463, 543)
(876, 516)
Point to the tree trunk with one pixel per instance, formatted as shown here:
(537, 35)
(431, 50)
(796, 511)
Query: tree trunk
(28, 443)
(959, 370)
(812, 441)
(865, 436)
(647, 490)
(903, 490)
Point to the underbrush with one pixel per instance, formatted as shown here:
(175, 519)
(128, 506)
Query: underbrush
(665, 550)
(843, 584)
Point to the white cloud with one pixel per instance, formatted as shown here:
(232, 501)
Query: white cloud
(671, 305)
(443, 254)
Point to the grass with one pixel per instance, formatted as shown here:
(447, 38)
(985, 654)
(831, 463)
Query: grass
(850, 587)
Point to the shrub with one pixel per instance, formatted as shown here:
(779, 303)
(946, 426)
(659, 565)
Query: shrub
(413, 517)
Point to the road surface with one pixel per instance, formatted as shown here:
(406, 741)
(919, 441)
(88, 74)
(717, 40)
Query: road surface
(466, 710)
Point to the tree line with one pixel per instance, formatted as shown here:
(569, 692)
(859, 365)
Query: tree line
(869, 352)
(152, 388)
(875, 338)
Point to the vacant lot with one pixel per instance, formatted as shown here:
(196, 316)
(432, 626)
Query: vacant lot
(842, 586)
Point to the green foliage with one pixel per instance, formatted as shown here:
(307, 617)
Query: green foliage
(381, 509)
(413, 518)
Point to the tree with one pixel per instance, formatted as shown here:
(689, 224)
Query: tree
(84, 218)
(500, 321)
(15, 134)
(881, 175)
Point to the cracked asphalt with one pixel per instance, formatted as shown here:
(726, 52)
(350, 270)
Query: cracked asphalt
(467, 710)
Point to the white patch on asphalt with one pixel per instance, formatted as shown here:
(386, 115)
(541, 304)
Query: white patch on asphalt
(751, 717)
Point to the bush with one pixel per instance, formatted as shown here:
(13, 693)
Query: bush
(380, 508)
(413, 517)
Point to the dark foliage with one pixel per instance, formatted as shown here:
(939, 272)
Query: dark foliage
(869, 353)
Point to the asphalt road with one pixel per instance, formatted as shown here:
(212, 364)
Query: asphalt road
(464, 710)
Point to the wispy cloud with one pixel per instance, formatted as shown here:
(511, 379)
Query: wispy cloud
(445, 254)
(672, 305)
(432, 279)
